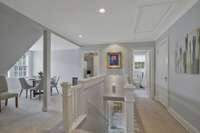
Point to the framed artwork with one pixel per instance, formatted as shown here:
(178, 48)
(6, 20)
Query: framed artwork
(187, 53)
(114, 60)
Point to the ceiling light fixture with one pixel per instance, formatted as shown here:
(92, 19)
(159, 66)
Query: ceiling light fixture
(80, 36)
(102, 10)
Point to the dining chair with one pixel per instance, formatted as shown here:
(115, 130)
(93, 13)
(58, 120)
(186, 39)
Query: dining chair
(24, 86)
(54, 84)
(37, 90)
(4, 94)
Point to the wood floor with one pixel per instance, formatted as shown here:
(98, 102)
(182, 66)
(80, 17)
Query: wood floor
(155, 118)
(138, 126)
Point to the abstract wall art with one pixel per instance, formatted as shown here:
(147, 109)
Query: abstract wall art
(187, 54)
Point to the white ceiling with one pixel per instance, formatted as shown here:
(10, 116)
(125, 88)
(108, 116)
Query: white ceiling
(57, 43)
(124, 21)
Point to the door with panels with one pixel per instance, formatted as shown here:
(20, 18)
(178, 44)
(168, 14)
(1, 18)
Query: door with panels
(162, 85)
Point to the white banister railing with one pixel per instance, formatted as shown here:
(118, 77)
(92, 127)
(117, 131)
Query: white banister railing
(75, 99)
(90, 93)
(129, 108)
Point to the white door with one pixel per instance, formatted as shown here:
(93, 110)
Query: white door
(162, 89)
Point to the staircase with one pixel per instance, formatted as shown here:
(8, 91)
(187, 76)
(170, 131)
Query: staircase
(89, 99)
(96, 121)
(17, 35)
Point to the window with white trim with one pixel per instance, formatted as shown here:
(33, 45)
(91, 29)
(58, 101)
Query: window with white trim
(21, 68)
(139, 61)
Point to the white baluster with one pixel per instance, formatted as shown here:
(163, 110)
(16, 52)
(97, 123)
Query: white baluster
(79, 101)
(129, 108)
(75, 100)
(70, 107)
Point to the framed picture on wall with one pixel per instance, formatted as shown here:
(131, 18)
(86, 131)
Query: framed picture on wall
(114, 60)
(187, 53)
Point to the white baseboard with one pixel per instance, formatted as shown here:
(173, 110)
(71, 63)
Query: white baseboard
(182, 121)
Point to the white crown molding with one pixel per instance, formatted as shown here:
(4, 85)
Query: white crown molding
(187, 8)
(138, 20)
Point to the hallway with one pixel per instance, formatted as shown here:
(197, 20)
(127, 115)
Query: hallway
(115, 66)
(155, 118)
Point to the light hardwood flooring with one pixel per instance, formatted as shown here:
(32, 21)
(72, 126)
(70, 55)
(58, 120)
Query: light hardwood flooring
(138, 126)
(155, 118)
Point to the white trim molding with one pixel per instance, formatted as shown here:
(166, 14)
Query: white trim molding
(189, 127)
(187, 8)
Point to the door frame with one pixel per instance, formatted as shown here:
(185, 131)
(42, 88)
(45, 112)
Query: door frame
(164, 41)
(152, 69)
(82, 61)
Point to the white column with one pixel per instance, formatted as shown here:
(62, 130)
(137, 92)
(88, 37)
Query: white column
(46, 68)
(130, 65)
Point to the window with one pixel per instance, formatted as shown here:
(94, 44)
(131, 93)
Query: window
(139, 61)
(20, 69)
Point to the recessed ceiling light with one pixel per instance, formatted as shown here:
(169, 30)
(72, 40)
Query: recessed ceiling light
(102, 10)
(80, 36)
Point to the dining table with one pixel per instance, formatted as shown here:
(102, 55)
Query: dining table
(35, 81)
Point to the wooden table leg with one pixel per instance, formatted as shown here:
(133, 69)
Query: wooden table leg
(30, 94)
(51, 90)
(34, 83)
(34, 93)
(6, 102)
(16, 101)
(39, 94)
(0, 105)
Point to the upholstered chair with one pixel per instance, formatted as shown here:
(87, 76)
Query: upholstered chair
(4, 94)
(25, 86)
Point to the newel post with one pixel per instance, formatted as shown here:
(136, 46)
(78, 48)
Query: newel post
(66, 121)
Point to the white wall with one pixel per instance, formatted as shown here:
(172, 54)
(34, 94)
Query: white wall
(127, 58)
(184, 89)
(64, 63)
(127, 53)
(37, 62)
(17, 35)
(67, 64)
